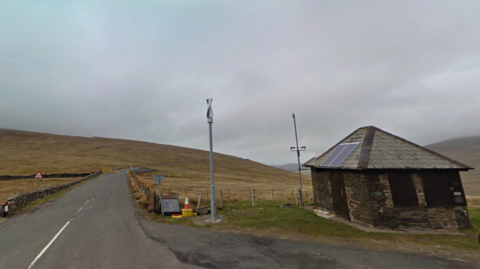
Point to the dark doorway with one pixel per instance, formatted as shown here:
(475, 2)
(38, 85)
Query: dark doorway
(436, 188)
(403, 190)
(338, 194)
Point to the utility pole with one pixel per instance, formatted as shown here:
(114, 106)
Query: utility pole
(297, 149)
(212, 186)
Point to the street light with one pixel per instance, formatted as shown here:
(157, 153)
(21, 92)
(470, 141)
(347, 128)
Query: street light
(212, 186)
(297, 149)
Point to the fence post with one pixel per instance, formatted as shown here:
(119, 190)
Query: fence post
(221, 199)
(300, 196)
(228, 194)
(154, 202)
(293, 199)
(296, 197)
(273, 197)
(199, 200)
(253, 198)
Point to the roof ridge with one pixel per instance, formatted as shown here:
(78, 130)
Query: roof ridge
(366, 147)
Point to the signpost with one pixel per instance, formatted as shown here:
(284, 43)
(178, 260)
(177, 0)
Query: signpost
(158, 179)
(38, 176)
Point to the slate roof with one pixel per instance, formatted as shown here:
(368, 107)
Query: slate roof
(378, 149)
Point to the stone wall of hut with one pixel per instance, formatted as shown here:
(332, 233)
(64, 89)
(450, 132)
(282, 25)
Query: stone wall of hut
(370, 202)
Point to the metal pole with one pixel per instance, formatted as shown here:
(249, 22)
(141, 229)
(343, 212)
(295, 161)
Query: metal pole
(160, 196)
(299, 166)
(212, 186)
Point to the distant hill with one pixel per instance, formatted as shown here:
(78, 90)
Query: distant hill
(25, 153)
(467, 151)
(293, 167)
(290, 167)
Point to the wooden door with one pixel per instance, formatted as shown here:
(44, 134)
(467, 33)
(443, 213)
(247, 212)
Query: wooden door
(338, 194)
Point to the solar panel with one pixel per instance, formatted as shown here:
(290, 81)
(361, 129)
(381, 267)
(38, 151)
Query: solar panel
(334, 154)
(339, 154)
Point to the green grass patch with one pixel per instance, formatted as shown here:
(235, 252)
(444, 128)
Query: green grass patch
(475, 218)
(269, 216)
(170, 220)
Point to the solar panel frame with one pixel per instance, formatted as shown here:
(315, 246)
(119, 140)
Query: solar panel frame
(339, 154)
(333, 155)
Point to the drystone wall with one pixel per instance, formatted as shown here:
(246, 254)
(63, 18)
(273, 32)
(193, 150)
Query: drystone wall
(19, 201)
(62, 175)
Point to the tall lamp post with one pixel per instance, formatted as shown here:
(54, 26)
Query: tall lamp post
(212, 186)
(297, 149)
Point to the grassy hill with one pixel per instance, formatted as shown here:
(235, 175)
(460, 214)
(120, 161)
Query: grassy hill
(467, 151)
(24, 153)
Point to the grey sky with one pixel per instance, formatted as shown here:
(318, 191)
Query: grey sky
(142, 71)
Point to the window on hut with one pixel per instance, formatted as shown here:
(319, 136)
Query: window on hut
(403, 190)
(443, 188)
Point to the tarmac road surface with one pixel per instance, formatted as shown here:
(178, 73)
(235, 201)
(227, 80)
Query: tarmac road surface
(97, 225)
(92, 226)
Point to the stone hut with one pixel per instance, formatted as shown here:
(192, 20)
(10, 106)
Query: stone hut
(380, 180)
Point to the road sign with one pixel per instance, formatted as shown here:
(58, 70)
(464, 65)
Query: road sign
(170, 204)
(39, 175)
(158, 178)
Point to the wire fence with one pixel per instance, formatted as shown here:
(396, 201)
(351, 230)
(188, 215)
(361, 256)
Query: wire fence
(200, 197)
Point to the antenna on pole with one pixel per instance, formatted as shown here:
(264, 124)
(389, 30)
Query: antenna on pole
(297, 149)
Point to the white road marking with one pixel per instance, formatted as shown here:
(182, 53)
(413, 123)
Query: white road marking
(46, 247)
(55, 237)
(112, 213)
(93, 199)
(83, 206)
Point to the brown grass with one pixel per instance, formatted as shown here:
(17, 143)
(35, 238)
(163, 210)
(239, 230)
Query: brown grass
(238, 176)
(473, 201)
(11, 187)
(24, 153)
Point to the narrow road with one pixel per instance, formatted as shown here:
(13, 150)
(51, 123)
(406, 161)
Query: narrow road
(97, 225)
(92, 226)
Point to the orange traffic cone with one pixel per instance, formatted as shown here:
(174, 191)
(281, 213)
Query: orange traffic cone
(187, 205)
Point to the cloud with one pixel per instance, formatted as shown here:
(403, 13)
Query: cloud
(143, 71)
